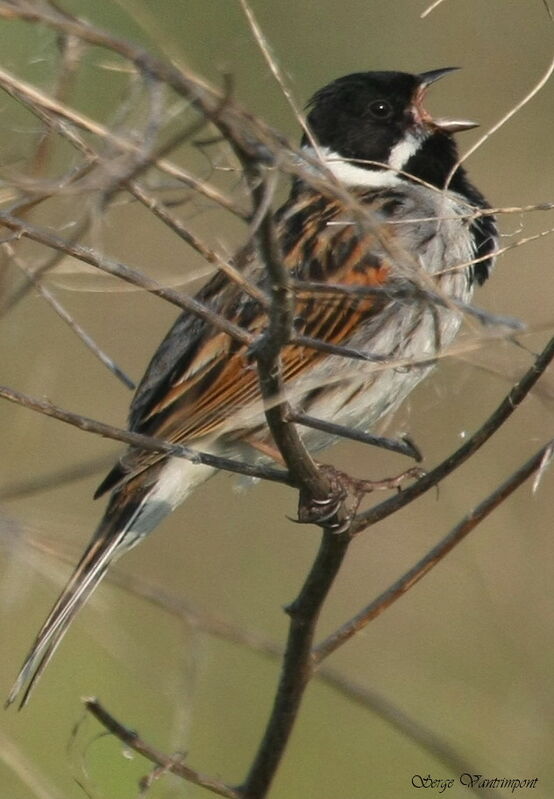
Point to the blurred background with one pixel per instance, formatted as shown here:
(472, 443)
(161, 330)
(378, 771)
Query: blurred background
(469, 651)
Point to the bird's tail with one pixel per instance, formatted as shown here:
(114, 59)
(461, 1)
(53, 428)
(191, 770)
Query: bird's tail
(100, 553)
(134, 510)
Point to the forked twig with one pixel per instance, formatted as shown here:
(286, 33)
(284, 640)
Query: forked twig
(174, 765)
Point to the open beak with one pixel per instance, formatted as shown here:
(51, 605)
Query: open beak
(448, 125)
(427, 78)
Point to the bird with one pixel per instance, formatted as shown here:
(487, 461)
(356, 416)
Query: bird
(429, 234)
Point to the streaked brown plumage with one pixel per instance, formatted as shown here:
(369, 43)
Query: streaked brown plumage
(201, 386)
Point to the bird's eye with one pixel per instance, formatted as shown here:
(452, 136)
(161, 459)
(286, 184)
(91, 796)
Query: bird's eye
(380, 109)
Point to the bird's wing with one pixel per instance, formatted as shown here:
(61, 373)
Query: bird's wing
(200, 377)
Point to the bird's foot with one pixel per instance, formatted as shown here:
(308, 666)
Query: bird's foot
(336, 511)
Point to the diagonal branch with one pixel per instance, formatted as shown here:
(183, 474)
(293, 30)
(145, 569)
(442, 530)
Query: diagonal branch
(434, 556)
(508, 405)
(141, 441)
(64, 119)
(65, 316)
(173, 765)
(117, 269)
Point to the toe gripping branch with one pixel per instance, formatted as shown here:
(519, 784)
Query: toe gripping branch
(337, 511)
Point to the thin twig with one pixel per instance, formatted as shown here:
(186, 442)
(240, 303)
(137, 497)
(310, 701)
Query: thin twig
(141, 441)
(430, 560)
(265, 49)
(508, 405)
(64, 314)
(430, 8)
(250, 137)
(117, 269)
(36, 100)
(501, 122)
(403, 447)
(411, 293)
(45, 112)
(70, 52)
(211, 256)
(132, 739)
(42, 269)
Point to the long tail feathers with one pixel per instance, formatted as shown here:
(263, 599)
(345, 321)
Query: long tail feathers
(87, 575)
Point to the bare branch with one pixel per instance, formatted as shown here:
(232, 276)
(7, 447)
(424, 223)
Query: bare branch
(313, 484)
(411, 292)
(296, 670)
(142, 441)
(430, 560)
(265, 49)
(508, 405)
(430, 8)
(404, 447)
(40, 104)
(49, 264)
(59, 309)
(267, 353)
(117, 269)
(174, 765)
(211, 256)
(540, 84)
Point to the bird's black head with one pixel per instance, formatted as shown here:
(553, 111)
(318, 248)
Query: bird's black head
(369, 118)
(379, 117)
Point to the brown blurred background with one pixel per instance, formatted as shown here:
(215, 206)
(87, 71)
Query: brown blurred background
(469, 651)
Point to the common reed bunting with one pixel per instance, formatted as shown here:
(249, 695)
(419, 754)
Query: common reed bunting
(400, 166)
